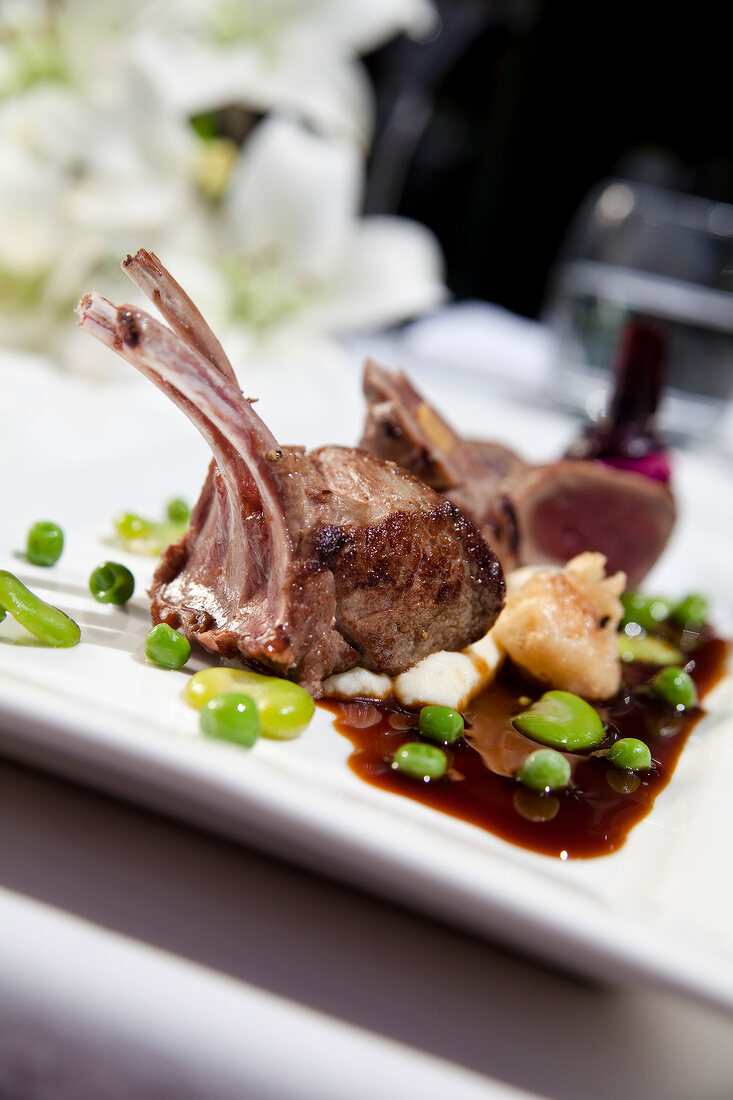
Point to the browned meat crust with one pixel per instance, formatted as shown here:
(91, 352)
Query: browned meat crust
(303, 563)
(530, 514)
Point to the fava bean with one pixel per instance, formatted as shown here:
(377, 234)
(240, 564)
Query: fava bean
(284, 708)
(647, 649)
(231, 717)
(47, 623)
(563, 721)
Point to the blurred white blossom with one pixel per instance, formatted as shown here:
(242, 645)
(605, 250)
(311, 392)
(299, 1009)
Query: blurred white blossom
(293, 56)
(299, 252)
(227, 135)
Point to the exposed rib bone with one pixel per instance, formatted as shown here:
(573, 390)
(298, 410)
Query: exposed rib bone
(149, 274)
(242, 444)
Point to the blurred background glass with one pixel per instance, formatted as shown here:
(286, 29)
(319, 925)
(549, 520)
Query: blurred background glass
(638, 251)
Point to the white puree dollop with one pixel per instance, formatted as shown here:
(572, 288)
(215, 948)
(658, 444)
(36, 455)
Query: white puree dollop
(572, 615)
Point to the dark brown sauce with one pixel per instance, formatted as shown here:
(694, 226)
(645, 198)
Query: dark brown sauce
(593, 817)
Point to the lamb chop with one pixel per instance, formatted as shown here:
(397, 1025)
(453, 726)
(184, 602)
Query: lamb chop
(529, 514)
(304, 564)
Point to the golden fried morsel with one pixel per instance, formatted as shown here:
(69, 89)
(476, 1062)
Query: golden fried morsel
(561, 627)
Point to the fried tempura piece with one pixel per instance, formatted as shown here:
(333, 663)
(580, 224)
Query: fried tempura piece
(561, 627)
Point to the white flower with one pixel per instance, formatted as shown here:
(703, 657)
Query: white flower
(296, 57)
(298, 256)
(78, 187)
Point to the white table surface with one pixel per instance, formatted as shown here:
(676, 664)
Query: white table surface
(140, 958)
(143, 958)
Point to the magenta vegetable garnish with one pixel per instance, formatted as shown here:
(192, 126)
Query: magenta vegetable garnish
(627, 438)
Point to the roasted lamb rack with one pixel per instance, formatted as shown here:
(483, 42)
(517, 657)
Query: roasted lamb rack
(301, 563)
(529, 513)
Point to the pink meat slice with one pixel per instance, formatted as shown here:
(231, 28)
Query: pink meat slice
(530, 514)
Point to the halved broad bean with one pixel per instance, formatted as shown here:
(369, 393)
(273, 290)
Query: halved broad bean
(47, 623)
(231, 717)
(284, 708)
(563, 721)
(647, 649)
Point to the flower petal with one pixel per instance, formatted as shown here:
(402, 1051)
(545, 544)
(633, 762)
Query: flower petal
(393, 272)
(330, 92)
(294, 199)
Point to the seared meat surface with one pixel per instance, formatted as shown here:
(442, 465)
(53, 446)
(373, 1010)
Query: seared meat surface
(529, 514)
(303, 563)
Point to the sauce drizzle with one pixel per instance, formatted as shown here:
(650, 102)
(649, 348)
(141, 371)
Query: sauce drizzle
(594, 816)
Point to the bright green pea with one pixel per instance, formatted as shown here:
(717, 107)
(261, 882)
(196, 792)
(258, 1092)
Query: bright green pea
(563, 721)
(177, 511)
(111, 582)
(420, 761)
(49, 624)
(45, 543)
(676, 687)
(545, 770)
(440, 724)
(231, 717)
(285, 708)
(692, 611)
(630, 753)
(648, 611)
(145, 536)
(167, 647)
(130, 526)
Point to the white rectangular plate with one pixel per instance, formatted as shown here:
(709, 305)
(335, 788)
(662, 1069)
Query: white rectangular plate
(656, 912)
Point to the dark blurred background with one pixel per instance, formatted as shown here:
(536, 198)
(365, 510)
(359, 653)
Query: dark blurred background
(493, 131)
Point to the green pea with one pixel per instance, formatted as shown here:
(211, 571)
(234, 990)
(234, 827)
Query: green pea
(49, 624)
(563, 721)
(691, 612)
(647, 611)
(231, 717)
(45, 543)
(440, 724)
(420, 761)
(285, 708)
(676, 687)
(167, 647)
(630, 753)
(130, 526)
(177, 511)
(545, 770)
(111, 582)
